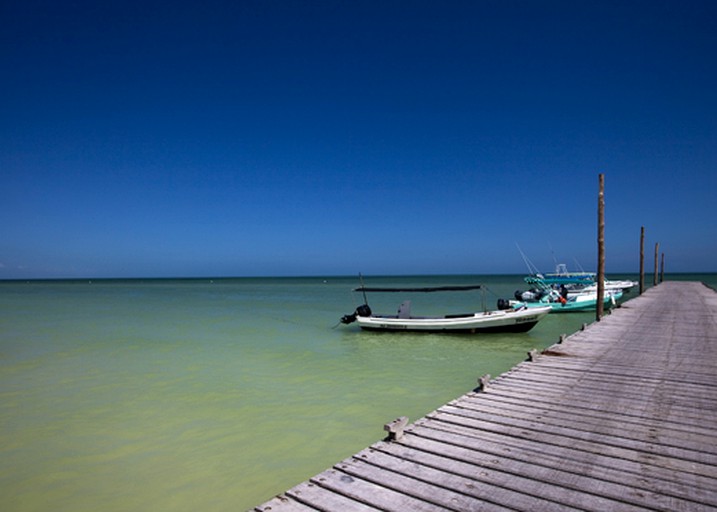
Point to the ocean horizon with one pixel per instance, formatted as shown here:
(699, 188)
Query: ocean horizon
(175, 394)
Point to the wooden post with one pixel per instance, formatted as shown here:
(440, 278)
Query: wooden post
(657, 250)
(395, 428)
(601, 250)
(642, 259)
(483, 383)
(662, 268)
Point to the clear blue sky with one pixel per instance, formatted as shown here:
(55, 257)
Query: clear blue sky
(245, 138)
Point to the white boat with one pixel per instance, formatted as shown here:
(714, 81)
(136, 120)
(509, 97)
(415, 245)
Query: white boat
(559, 304)
(575, 282)
(563, 276)
(501, 320)
(611, 286)
(562, 300)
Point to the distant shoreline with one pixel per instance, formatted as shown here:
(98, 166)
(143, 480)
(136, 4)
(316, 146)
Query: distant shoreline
(668, 276)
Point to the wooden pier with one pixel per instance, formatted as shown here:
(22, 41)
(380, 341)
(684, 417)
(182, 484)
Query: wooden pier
(621, 416)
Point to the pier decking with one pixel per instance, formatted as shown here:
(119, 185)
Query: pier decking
(620, 416)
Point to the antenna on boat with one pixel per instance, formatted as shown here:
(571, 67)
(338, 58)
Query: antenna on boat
(532, 269)
(579, 265)
(363, 289)
(552, 253)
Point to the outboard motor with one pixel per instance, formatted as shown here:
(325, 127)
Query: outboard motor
(504, 304)
(347, 319)
(362, 310)
(529, 295)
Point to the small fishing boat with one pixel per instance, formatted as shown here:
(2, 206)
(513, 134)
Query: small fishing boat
(585, 302)
(578, 282)
(507, 320)
(563, 276)
(611, 286)
(561, 300)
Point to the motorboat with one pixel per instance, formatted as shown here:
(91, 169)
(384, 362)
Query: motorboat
(510, 319)
(561, 299)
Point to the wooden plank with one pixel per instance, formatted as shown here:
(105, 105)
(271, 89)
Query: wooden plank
(428, 486)
(282, 503)
(322, 498)
(374, 494)
(576, 449)
(527, 472)
(673, 409)
(607, 424)
(495, 451)
(619, 376)
(562, 413)
(685, 416)
(448, 474)
(687, 460)
(608, 392)
(687, 378)
(645, 403)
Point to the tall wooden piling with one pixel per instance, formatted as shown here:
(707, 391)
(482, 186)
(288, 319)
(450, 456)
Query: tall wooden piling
(642, 259)
(657, 250)
(601, 250)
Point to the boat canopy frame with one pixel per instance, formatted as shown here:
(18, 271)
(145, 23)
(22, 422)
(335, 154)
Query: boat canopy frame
(425, 289)
(419, 290)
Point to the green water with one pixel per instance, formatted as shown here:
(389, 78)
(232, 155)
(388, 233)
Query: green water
(217, 395)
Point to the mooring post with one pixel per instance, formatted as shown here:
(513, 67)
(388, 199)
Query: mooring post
(601, 250)
(395, 428)
(642, 259)
(483, 383)
(657, 250)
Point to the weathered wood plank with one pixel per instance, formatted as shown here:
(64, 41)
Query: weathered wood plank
(561, 414)
(686, 460)
(619, 376)
(322, 498)
(551, 420)
(684, 417)
(428, 485)
(527, 472)
(495, 451)
(364, 492)
(462, 477)
(644, 402)
(282, 503)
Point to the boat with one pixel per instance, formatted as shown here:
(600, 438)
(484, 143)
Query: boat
(585, 302)
(561, 300)
(610, 285)
(563, 276)
(579, 282)
(507, 320)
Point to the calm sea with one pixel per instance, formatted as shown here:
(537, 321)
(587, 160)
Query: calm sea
(183, 395)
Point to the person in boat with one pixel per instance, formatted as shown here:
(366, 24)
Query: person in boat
(563, 292)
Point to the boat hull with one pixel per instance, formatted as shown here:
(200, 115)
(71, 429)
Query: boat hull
(612, 287)
(576, 303)
(506, 321)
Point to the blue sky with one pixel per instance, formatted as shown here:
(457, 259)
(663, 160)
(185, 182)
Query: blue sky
(251, 138)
